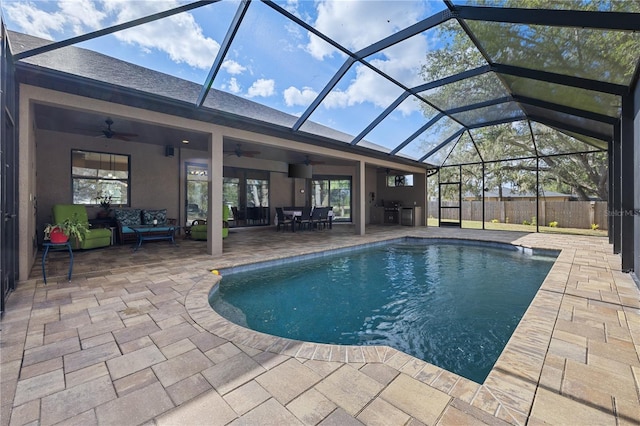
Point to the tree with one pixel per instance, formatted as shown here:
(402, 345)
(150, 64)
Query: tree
(572, 51)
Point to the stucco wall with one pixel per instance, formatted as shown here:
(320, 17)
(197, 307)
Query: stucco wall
(154, 178)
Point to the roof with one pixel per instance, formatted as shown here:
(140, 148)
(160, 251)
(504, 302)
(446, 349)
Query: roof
(540, 70)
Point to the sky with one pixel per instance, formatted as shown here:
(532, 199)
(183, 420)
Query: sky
(272, 60)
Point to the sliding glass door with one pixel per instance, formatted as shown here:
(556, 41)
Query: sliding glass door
(333, 191)
(197, 195)
(246, 192)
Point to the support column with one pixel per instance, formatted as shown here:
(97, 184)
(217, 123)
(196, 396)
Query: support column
(627, 185)
(360, 198)
(636, 167)
(610, 206)
(616, 206)
(214, 217)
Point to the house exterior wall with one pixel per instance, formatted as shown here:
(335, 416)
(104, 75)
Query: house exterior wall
(157, 180)
(154, 178)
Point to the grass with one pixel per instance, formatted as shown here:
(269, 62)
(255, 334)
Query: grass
(476, 224)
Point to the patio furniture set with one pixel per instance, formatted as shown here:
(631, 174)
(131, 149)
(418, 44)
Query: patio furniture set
(304, 218)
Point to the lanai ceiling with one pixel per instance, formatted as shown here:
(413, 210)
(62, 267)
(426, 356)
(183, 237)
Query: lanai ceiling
(411, 79)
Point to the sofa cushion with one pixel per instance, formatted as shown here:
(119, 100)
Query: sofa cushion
(128, 217)
(149, 215)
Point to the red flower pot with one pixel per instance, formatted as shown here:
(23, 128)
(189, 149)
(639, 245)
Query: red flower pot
(57, 236)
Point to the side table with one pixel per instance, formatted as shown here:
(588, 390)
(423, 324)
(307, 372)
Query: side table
(47, 246)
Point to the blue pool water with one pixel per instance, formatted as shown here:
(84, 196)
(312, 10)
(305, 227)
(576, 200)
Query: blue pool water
(449, 304)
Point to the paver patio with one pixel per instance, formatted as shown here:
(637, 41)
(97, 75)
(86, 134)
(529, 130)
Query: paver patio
(131, 340)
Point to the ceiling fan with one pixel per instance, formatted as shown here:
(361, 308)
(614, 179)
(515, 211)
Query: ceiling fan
(239, 152)
(390, 172)
(109, 133)
(308, 162)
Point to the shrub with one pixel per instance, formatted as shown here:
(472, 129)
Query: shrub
(526, 222)
(553, 224)
(533, 220)
(495, 221)
(595, 226)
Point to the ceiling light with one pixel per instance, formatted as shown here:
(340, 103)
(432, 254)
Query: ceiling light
(184, 141)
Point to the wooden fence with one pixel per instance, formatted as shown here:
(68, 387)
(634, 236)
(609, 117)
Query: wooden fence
(568, 214)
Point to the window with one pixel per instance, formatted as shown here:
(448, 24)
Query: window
(197, 192)
(97, 174)
(246, 192)
(333, 192)
(399, 180)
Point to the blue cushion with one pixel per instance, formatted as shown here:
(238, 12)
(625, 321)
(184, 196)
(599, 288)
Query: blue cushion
(149, 215)
(155, 229)
(127, 230)
(128, 217)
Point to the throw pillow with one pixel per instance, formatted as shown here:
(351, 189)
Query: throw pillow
(149, 215)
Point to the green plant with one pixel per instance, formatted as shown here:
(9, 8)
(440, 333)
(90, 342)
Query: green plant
(533, 220)
(495, 221)
(105, 202)
(526, 222)
(553, 224)
(595, 226)
(71, 227)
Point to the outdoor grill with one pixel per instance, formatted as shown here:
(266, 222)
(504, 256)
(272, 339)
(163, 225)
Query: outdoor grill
(392, 211)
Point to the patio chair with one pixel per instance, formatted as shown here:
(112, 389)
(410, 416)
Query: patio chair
(283, 220)
(93, 238)
(304, 221)
(199, 226)
(199, 229)
(237, 216)
(316, 218)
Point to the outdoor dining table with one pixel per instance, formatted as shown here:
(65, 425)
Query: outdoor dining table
(298, 213)
(292, 213)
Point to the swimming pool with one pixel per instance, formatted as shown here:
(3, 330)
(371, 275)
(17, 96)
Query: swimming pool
(451, 304)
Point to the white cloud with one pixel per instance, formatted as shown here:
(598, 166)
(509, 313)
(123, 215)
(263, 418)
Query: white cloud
(179, 35)
(232, 67)
(234, 86)
(376, 20)
(261, 87)
(294, 96)
(367, 86)
(34, 21)
(82, 15)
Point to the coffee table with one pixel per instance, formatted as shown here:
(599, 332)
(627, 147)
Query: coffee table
(154, 233)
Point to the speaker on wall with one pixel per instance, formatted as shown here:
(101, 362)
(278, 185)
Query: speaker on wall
(168, 151)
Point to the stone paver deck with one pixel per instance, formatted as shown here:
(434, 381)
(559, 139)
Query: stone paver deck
(132, 340)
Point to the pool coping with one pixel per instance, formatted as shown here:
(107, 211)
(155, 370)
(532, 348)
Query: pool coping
(507, 392)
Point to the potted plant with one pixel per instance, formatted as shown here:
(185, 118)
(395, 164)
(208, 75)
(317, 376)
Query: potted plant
(105, 204)
(71, 227)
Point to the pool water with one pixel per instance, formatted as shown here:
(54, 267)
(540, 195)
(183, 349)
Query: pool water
(453, 305)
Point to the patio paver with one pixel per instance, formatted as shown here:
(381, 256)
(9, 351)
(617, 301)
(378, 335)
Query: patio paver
(136, 343)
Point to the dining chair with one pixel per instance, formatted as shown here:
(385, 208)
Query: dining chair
(304, 221)
(316, 220)
(283, 220)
